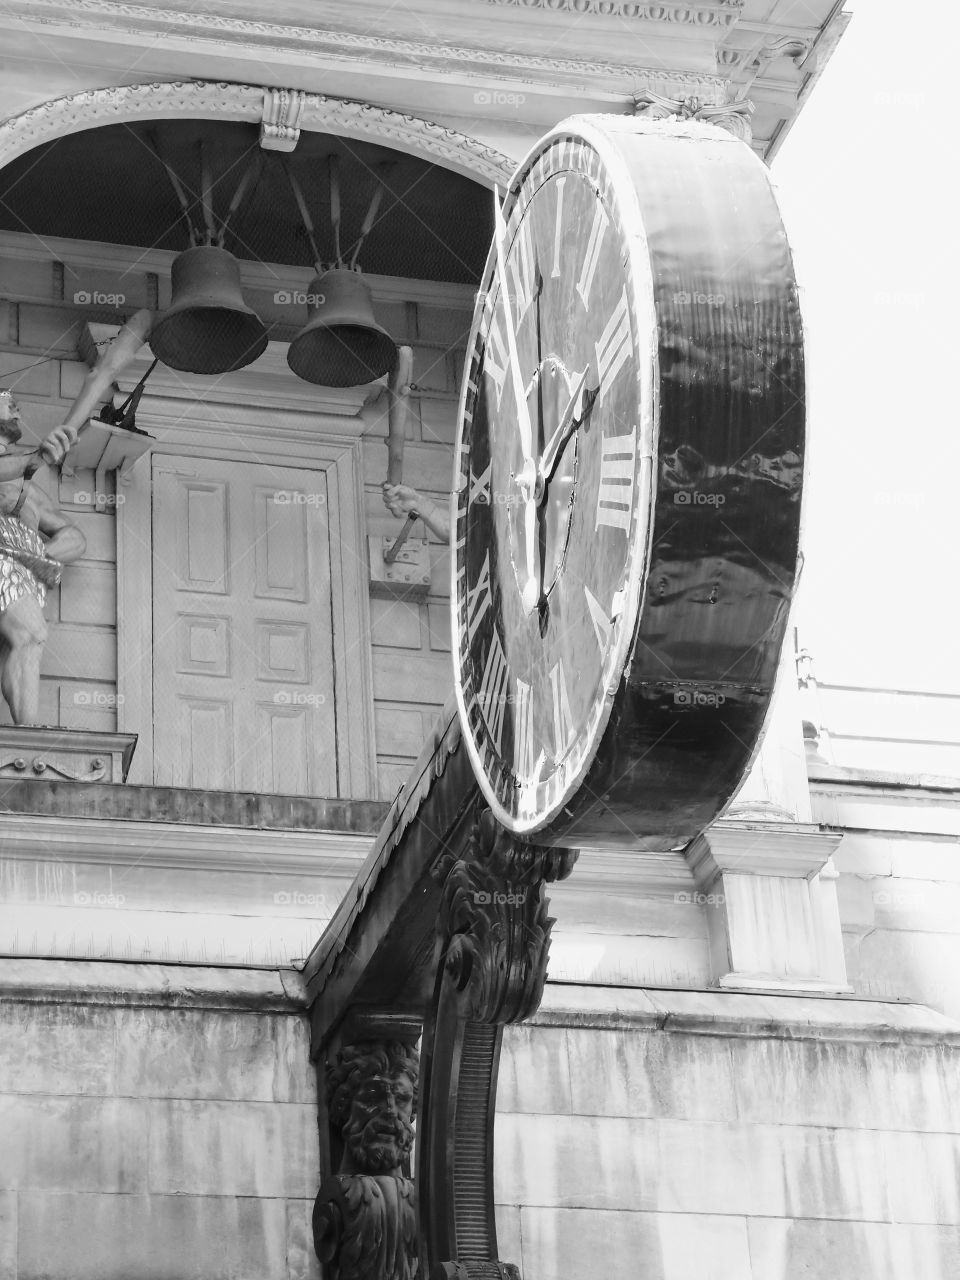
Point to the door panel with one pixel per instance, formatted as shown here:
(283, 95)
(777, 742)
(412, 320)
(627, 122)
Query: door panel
(242, 632)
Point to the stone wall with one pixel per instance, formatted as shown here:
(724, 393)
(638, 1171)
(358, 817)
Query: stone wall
(156, 1123)
(160, 1122)
(669, 1135)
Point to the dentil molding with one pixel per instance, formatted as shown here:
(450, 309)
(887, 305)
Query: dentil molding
(203, 99)
(723, 13)
(259, 37)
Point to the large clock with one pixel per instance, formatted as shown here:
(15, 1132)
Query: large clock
(629, 472)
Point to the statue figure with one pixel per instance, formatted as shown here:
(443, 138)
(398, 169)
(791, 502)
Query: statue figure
(364, 1219)
(36, 539)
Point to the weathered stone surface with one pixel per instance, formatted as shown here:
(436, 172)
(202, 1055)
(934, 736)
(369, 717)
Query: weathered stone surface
(48, 1048)
(97, 1237)
(194, 1053)
(781, 1250)
(302, 1260)
(56, 1143)
(572, 1244)
(619, 1073)
(234, 1149)
(755, 1080)
(534, 1070)
(509, 1244)
(602, 958)
(691, 1167)
(8, 1235)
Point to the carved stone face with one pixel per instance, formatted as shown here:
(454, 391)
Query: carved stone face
(379, 1129)
(372, 1091)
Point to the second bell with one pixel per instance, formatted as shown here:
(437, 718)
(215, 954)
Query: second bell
(341, 345)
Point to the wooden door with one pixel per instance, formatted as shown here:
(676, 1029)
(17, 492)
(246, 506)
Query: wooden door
(242, 631)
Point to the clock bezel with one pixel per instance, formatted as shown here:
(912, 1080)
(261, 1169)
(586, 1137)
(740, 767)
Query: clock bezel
(567, 779)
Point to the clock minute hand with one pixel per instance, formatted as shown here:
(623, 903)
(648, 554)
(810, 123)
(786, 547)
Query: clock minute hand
(565, 429)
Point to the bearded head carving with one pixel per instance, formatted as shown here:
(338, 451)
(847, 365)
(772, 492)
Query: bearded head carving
(371, 1091)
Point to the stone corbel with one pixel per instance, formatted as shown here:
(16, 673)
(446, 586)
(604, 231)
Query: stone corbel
(732, 116)
(769, 890)
(493, 941)
(280, 124)
(364, 1218)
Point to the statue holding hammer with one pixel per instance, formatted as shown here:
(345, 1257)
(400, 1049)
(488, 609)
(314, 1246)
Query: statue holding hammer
(36, 539)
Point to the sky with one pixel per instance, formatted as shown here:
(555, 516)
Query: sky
(868, 187)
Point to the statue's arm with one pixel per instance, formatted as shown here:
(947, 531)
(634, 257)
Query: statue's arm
(64, 541)
(14, 463)
(111, 362)
(401, 499)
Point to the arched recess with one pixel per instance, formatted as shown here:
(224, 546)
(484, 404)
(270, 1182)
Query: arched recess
(209, 100)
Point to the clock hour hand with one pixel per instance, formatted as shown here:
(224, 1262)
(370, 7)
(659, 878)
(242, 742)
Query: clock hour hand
(564, 430)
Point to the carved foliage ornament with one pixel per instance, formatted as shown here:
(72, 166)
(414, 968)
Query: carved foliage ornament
(734, 117)
(495, 914)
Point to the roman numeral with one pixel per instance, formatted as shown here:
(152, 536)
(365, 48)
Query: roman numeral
(615, 346)
(601, 623)
(562, 717)
(479, 598)
(558, 229)
(480, 486)
(589, 269)
(496, 359)
(524, 741)
(492, 694)
(615, 499)
(521, 269)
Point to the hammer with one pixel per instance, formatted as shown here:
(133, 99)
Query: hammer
(399, 393)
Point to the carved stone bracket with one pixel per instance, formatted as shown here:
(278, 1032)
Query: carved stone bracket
(495, 918)
(280, 124)
(364, 1218)
(732, 116)
(493, 940)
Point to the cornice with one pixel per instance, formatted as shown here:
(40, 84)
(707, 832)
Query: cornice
(316, 854)
(243, 34)
(25, 980)
(722, 13)
(203, 99)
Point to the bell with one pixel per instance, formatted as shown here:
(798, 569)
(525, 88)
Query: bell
(341, 345)
(208, 328)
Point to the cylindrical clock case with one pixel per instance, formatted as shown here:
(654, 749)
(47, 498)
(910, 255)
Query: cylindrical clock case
(716, 484)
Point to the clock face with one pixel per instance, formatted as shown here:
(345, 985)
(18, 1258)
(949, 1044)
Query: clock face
(554, 480)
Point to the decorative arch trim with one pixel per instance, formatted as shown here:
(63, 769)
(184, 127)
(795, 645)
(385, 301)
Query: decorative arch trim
(204, 99)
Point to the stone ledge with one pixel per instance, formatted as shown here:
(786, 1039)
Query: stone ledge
(105, 982)
(186, 846)
(182, 805)
(39, 752)
(753, 1015)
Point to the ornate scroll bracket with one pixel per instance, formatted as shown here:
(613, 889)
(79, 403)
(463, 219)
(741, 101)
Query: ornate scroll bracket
(494, 914)
(494, 937)
(732, 116)
(364, 1218)
(280, 124)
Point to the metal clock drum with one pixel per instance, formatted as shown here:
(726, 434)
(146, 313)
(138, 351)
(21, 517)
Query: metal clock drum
(628, 483)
